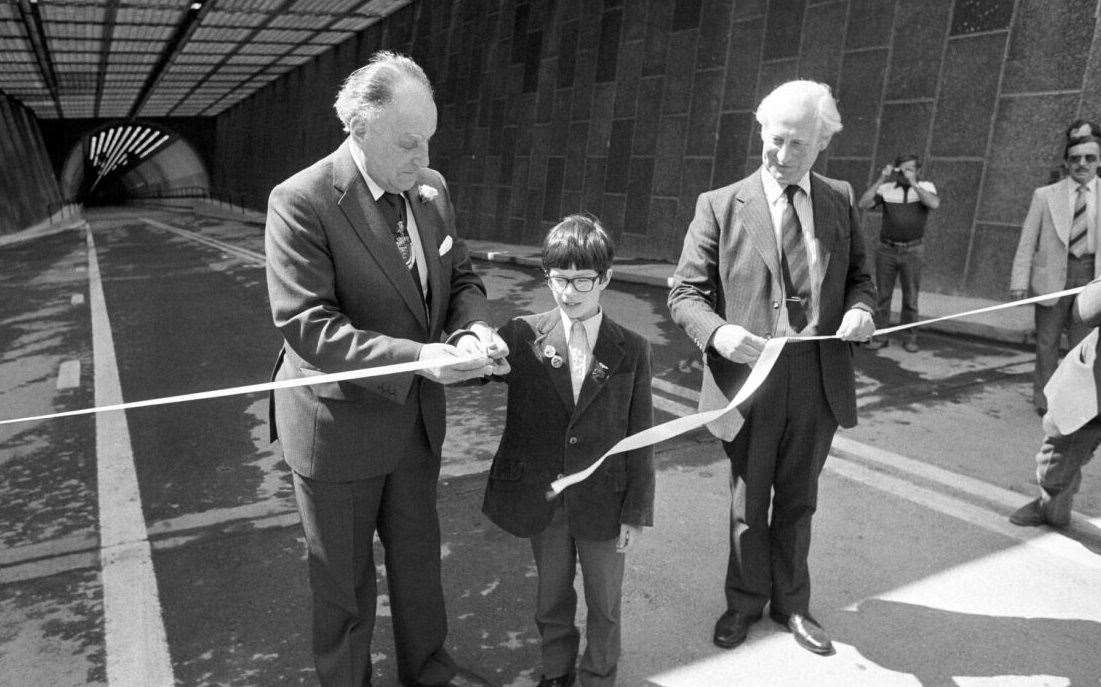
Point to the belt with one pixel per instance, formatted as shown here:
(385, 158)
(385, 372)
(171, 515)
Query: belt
(899, 244)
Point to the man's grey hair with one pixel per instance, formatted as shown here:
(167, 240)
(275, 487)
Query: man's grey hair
(370, 88)
(793, 94)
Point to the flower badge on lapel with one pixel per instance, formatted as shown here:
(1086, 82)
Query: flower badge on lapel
(600, 372)
(426, 193)
(555, 359)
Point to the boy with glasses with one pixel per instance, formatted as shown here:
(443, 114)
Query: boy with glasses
(579, 383)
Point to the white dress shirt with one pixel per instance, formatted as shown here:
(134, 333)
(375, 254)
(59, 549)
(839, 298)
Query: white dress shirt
(592, 329)
(410, 223)
(777, 203)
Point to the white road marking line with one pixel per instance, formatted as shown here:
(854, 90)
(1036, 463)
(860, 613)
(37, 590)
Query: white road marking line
(68, 375)
(245, 254)
(136, 645)
(675, 389)
(77, 299)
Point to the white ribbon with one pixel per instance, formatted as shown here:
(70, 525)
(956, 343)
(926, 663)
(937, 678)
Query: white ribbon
(760, 371)
(646, 437)
(396, 368)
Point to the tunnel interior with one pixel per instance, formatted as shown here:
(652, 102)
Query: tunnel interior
(129, 161)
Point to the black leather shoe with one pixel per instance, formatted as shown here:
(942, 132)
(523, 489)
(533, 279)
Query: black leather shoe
(560, 681)
(807, 632)
(1029, 515)
(733, 627)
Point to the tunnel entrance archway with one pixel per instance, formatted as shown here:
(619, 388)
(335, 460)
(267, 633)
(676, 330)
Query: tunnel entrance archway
(128, 160)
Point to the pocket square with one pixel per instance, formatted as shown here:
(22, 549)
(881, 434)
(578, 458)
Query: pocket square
(445, 245)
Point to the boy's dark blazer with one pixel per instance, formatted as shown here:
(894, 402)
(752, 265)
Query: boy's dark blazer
(547, 435)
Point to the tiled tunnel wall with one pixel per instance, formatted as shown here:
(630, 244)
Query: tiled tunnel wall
(28, 185)
(630, 108)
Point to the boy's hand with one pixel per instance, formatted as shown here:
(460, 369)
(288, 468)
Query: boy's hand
(493, 346)
(628, 535)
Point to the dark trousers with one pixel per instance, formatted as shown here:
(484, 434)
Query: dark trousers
(1059, 467)
(340, 520)
(557, 553)
(781, 448)
(1052, 321)
(901, 263)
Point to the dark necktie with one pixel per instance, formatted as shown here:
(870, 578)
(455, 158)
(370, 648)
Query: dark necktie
(793, 262)
(1079, 227)
(392, 206)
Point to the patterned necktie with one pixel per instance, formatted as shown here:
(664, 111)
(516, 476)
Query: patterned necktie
(579, 356)
(1079, 226)
(794, 263)
(392, 206)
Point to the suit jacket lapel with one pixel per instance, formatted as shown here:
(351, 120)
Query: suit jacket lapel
(609, 352)
(1062, 209)
(363, 215)
(826, 219)
(757, 221)
(552, 333)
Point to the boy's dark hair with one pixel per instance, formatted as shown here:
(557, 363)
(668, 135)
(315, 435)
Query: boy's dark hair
(578, 242)
(1077, 141)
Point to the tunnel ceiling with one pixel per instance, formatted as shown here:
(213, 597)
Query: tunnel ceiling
(163, 58)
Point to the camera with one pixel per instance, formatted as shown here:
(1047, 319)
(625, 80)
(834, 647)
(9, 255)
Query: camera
(899, 177)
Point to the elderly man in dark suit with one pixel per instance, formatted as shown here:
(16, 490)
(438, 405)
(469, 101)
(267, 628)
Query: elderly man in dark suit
(364, 268)
(1072, 425)
(778, 253)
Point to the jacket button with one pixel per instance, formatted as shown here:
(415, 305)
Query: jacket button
(573, 441)
(775, 305)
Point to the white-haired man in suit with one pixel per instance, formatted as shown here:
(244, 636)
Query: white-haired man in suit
(778, 253)
(364, 268)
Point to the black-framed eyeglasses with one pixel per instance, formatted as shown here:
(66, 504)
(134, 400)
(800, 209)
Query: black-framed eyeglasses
(580, 284)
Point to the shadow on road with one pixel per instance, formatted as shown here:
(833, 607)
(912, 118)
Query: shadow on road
(936, 645)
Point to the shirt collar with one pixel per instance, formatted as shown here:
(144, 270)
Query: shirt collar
(361, 164)
(1091, 185)
(773, 188)
(591, 324)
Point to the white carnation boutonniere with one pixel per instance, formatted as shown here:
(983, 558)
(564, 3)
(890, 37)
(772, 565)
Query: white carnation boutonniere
(426, 193)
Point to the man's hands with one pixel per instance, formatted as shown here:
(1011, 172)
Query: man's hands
(628, 535)
(737, 344)
(886, 173)
(857, 325)
(491, 345)
(452, 374)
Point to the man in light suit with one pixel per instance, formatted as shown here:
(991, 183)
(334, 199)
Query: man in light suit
(1058, 250)
(778, 253)
(364, 268)
(1072, 428)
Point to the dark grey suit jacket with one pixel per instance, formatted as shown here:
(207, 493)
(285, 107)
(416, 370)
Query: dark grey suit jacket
(343, 299)
(547, 435)
(729, 271)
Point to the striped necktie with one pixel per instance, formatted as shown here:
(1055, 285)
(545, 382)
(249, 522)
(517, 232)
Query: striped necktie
(1079, 226)
(793, 263)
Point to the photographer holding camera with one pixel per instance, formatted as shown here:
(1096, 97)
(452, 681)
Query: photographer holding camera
(905, 201)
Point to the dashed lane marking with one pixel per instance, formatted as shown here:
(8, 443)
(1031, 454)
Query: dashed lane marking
(136, 646)
(68, 375)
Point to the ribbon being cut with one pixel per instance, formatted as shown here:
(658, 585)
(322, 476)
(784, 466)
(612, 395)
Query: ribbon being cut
(647, 437)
